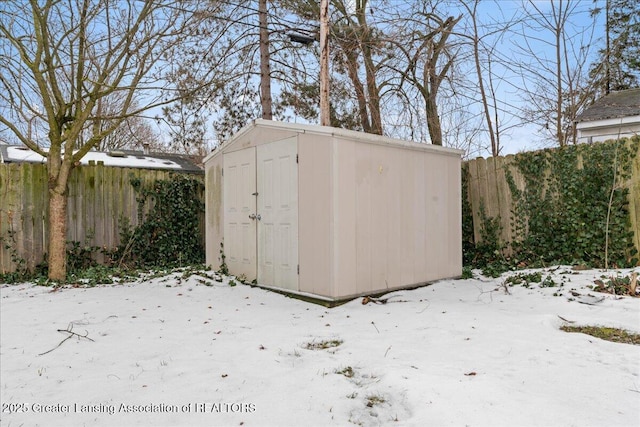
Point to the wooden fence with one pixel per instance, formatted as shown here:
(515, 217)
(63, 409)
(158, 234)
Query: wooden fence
(488, 190)
(99, 196)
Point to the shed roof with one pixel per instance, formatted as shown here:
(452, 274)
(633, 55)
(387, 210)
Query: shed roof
(328, 131)
(117, 158)
(624, 103)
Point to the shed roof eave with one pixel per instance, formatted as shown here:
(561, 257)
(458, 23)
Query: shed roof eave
(352, 134)
(331, 132)
(222, 147)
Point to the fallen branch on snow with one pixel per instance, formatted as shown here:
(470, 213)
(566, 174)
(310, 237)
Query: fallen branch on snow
(71, 335)
(565, 320)
(368, 299)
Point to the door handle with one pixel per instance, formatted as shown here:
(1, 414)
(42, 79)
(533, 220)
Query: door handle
(252, 216)
(258, 217)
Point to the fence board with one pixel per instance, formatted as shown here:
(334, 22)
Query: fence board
(476, 170)
(11, 216)
(503, 194)
(634, 201)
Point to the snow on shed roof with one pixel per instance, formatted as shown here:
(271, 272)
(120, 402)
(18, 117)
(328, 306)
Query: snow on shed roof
(118, 158)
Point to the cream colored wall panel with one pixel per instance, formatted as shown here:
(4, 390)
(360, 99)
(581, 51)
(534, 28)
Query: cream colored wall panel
(239, 205)
(344, 216)
(454, 216)
(214, 212)
(315, 214)
(420, 265)
(277, 178)
(380, 170)
(365, 232)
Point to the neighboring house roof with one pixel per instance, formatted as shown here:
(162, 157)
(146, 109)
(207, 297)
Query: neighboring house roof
(624, 103)
(118, 158)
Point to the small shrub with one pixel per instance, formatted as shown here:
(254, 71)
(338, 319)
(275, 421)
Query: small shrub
(81, 256)
(21, 272)
(224, 269)
(524, 279)
(548, 282)
(467, 272)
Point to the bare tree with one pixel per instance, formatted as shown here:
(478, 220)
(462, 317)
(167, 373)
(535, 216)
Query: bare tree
(483, 59)
(356, 57)
(133, 132)
(393, 58)
(252, 48)
(553, 86)
(356, 43)
(427, 58)
(186, 122)
(60, 58)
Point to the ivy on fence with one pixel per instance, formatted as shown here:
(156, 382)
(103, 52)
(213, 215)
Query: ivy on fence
(170, 233)
(574, 208)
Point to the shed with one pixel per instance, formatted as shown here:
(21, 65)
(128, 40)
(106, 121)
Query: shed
(332, 213)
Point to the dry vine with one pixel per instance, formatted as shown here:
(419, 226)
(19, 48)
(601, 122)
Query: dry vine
(71, 334)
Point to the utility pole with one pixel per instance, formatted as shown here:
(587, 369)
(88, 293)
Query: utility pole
(265, 67)
(325, 115)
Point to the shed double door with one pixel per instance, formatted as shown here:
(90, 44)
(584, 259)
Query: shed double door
(261, 213)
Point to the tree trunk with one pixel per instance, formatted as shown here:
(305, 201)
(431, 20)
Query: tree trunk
(370, 72)
(59, 167)
(374, 96)
(433, 120)
(495, 146)
(352, 70)
(57, 235)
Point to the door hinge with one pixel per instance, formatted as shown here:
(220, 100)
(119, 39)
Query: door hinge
(296, 158)
(298, 268)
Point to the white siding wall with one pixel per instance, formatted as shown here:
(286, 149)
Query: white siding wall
(603, 130)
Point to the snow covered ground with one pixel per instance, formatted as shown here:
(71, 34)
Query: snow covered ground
(194, 352)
